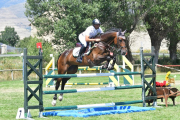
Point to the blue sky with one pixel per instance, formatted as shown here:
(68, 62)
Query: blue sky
(8, 3)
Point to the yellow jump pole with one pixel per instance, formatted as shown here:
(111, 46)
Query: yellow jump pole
(50, 64)
(126, 61)
(115, 79)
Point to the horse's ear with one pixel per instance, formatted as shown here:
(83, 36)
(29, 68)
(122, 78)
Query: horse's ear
(120, 32)
(123, 33)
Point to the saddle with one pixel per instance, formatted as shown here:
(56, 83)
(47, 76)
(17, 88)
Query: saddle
(88, 48)
(78, 47)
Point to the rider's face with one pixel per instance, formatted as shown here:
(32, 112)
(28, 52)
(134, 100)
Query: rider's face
(96, 26)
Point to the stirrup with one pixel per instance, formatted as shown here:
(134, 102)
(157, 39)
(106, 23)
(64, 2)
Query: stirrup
(79, 60)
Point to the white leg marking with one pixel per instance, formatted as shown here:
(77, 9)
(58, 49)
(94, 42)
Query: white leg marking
(60, 97)
(54, 102)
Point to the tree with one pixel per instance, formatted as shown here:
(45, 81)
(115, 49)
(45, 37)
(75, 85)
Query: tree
(160, 17)
(125, 14)
(173, 38)
(30, 44)
(67, 18)
(161, 20)
(9, 36)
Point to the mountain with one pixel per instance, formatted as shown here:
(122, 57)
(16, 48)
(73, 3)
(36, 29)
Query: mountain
(12, 14)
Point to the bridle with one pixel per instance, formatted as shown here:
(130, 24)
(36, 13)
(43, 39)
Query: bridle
(118, 42)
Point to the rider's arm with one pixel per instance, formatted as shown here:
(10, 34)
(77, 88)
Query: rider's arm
(91, 40)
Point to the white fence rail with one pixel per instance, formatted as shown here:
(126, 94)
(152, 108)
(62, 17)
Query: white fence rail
(11, 55)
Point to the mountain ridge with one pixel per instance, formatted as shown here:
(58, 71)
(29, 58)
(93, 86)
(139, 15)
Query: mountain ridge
(14, 16)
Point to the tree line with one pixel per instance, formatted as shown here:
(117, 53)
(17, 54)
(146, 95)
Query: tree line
(9, 36)
(66, 19)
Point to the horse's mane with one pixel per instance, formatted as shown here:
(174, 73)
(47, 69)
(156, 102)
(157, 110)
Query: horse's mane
(113, 30)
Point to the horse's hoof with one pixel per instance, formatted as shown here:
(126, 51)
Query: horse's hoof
(103, 67)
(60, 98)
(53, 103)
(110, 68)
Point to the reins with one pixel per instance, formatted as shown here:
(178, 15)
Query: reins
(108, 43)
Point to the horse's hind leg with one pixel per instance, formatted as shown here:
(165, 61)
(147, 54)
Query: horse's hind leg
(58, 80)
(64, 80)
(71, 70)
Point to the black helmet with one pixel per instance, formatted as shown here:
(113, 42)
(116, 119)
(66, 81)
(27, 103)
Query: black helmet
(96, 21)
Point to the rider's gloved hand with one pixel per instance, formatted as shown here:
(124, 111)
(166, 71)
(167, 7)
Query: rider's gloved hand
(97, 40)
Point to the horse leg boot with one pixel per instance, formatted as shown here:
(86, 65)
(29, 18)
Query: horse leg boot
(105, 66)
(55, 96)
(79, 58)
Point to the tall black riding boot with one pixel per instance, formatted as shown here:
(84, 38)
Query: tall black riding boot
(79, 58)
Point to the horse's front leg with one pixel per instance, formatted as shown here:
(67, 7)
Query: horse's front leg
(107, 58)
(56, 88)
(111, 65)
(105, 66)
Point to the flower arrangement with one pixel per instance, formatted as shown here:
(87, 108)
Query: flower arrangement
(164, 83)
(161, 84)
(167, 76)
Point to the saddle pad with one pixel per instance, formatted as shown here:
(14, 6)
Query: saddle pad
(76, 51)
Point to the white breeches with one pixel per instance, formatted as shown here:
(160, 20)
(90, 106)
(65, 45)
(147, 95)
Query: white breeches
(82, 39)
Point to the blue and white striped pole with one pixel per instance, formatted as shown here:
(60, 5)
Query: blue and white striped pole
(89, 75)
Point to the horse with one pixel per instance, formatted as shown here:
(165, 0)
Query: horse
(100, 52)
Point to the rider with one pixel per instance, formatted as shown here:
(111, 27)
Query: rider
(88, 35)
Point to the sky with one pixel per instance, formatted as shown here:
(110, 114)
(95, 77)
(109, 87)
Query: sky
(8, 3)
(12, 14)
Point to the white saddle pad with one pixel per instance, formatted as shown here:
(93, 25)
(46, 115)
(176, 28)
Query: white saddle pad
(76, 51)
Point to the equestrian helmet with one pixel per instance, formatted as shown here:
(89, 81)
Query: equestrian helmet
(96, 21)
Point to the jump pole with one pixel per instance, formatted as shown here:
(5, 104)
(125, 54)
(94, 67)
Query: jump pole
(89, 75)
(101, 83)
(91, 89)
(91, 105)
(113, 80)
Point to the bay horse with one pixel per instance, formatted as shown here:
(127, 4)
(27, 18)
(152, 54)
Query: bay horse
(101, 52)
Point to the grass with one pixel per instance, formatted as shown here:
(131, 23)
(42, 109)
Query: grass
(12, 98)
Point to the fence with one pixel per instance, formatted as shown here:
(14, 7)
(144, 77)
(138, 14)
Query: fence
(145, 84)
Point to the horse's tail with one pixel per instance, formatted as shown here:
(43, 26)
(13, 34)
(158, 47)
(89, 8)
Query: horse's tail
(57, 65)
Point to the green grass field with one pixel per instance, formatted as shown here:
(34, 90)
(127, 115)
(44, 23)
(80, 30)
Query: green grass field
(12, 93)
